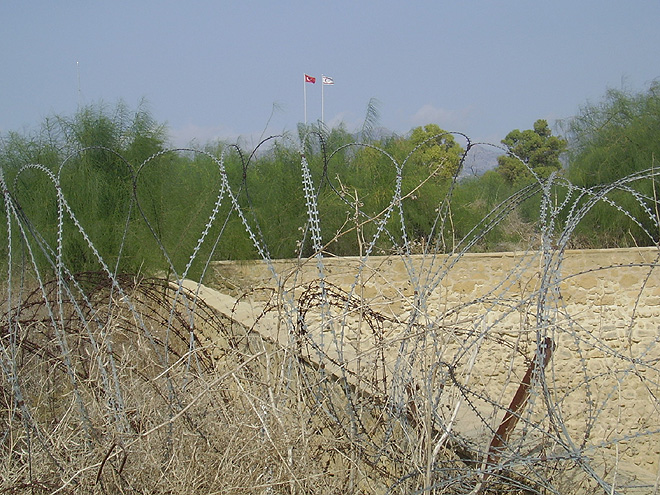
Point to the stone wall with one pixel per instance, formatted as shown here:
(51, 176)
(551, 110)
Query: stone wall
(483, 316)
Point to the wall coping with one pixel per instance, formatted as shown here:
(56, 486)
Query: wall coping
(489, 255)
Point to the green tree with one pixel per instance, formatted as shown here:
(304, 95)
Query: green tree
(616, 138)
(438, 150)
(95, 154)
(533, 151)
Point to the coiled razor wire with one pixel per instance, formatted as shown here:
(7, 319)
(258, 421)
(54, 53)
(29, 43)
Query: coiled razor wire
(408, 390)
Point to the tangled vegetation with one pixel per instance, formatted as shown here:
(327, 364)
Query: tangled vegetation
(114, 167)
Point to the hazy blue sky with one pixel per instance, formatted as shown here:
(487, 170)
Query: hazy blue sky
(218, 69)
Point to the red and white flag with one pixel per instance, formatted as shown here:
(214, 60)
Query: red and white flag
(328, 80)
(310, 79)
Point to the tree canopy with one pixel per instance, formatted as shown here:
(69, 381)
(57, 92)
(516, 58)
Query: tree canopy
(531, 152)
(438, 150)
(127, 190)
(615, 137)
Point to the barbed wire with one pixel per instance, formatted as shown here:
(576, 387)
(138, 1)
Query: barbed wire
(376, 381)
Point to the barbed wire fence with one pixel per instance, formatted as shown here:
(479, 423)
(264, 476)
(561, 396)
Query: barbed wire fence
(375, 374)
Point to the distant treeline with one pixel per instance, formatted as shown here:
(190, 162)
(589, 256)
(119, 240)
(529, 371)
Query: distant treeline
(148, 209)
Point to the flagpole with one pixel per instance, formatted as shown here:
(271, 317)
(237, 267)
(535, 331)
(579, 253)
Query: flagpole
(322, 100)
(305, 95)
(79, 90)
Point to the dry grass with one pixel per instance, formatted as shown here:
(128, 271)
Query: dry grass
(139, 387)
(117, 398)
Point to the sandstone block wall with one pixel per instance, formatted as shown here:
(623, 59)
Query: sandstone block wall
(484, 315)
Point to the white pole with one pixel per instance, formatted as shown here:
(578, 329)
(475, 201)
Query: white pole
(305, 95)
(78, 74)
(322, 100)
